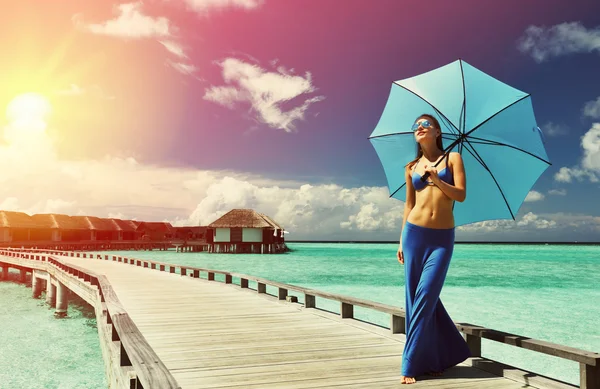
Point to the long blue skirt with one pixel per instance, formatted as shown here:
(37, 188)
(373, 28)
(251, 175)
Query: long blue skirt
(433, 343)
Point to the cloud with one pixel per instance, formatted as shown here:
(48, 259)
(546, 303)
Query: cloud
(183, 68)
(567, 174)
(557, 192)
(93, 91)
(203, 6)
(534, 196)
(265, 92)
(590, 162)
(590, 142)
(553, 129)
(592, 109)
(174, 48)
(543, 43)
(129, 23)
(529, 221)
(132, 23)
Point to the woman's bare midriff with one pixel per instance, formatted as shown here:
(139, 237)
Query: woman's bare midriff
(433, 209)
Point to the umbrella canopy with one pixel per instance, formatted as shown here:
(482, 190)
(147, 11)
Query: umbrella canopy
(491, 124)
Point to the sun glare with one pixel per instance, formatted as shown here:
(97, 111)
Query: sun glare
(28, 107)
(28, 112)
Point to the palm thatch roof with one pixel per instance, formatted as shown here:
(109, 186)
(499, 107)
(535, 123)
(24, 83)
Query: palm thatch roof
(124, 225)
(56, 220)
(95, 223)
(244, 218)
(155, 226)
(271, 221)
(10, 219)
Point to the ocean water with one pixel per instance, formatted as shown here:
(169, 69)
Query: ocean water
(39, 351)
(547, 292)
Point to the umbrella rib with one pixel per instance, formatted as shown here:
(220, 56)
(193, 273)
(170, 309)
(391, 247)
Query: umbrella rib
(479, 159)
(396, 191)
(483, 141)
(436, 110)
(496, 114)
(395, 133)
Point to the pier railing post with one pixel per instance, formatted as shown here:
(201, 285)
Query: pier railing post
(474, 343)
(282, 293)
(261, 287)
(243, 282)
(347, 311)
(397, 324)
(589, 376)
(309, 301)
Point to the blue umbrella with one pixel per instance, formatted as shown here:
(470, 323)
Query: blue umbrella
(491, 124)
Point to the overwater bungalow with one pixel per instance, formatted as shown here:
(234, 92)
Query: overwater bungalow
(155, 231)
(126, 229)
(96, 228)
(191, 233)
(57, 228)
(246, 231)
(16, 226)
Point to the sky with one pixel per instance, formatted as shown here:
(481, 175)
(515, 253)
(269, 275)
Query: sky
(180, 110)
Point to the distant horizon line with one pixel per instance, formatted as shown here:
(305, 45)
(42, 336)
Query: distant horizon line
(457, 242)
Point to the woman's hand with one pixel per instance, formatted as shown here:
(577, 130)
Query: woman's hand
(400, 255)
(433, 174)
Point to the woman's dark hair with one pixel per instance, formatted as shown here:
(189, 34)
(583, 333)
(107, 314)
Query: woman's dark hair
(438, 141)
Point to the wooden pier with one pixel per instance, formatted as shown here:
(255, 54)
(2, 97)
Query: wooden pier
(168, 326)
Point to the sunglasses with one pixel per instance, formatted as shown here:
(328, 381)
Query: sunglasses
(424, 124)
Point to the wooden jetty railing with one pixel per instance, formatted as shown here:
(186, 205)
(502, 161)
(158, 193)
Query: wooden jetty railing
(589, 362)
(133, 349)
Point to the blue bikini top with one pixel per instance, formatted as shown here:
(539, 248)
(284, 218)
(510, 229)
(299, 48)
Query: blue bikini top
(445, 175)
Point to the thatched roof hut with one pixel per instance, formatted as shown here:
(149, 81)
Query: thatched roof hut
(10, 219)
(57, 221)
(156, 230)
(125, 225)
(244, 218)
(126, 229)
(94, 223)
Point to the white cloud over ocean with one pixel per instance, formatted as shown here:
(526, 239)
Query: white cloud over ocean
(589, 166)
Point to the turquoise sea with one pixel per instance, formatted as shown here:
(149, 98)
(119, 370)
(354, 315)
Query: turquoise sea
(547, 292)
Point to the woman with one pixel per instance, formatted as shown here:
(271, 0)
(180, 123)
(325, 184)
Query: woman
(426, 243)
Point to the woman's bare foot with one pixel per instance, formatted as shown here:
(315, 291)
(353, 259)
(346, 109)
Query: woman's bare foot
(407, 380)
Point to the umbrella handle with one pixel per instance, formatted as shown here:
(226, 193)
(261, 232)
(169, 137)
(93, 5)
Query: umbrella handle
(426, 175)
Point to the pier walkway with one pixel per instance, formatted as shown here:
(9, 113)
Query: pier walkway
(185, 331)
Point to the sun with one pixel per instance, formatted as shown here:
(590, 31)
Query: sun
(27, 114)
(28, 107)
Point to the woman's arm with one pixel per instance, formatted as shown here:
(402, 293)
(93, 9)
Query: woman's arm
(410, 199)
(408, 206)
(458, 191)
